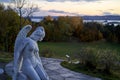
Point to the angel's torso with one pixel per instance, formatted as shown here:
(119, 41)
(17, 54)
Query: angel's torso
(29, 53)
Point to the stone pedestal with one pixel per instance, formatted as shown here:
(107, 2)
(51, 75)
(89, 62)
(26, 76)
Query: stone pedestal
(9, 71)
(1, 71)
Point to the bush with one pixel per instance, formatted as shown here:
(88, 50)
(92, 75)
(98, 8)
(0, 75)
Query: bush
(107, 59)
(87, 58)
(103, 60)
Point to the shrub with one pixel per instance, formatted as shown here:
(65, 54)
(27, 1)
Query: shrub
(107, 60)
(104, 61)
(88, 58)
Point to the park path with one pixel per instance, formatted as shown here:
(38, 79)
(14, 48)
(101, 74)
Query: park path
(57, 72)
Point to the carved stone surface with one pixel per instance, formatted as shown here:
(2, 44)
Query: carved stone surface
(27, 64)
(9, 68)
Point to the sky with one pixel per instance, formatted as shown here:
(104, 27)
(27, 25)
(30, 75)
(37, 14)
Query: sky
(74, 7)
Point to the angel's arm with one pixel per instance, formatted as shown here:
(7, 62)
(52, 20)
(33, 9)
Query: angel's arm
(18, 58)
(39, 59)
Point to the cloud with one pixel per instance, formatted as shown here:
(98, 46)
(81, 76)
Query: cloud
(111, 9)
(109, 13)
(55, 0)
(57, 11)
(89, 0)
(62, 12)
(5, 1)
(71, 0)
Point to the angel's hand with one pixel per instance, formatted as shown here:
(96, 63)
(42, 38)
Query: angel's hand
(15, 70)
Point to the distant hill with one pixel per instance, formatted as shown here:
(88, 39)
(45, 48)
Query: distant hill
(108, 17)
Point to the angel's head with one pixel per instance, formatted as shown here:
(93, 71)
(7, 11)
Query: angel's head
(38, 34)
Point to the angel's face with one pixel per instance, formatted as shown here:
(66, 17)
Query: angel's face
(39, 34)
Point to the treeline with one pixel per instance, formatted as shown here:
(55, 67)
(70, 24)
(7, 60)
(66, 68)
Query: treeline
(64, 28)
(9, 28)
(67, 28)
(111, 33)
(91, 32)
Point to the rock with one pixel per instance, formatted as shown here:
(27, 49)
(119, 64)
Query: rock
(1, 71)
(9, 68)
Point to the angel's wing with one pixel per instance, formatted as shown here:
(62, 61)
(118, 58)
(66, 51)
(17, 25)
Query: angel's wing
(21, 36)
(18, 44)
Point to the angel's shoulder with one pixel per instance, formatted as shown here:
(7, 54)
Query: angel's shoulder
(25, 41)
(28, 41)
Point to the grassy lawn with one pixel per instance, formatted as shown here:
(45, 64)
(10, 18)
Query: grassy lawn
(60, 49)
(5, 57)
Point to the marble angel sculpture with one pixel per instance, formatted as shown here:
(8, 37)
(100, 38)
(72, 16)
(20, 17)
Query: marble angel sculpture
(27, 64)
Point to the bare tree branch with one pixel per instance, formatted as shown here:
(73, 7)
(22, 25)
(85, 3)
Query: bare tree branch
(24, 8)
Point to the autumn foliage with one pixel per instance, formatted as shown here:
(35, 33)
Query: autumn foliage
(68, 28)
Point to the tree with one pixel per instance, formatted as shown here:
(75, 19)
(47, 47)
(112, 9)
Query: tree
(19, 5)
(57, 29)
(90, 32)
(111, 33)
(65, 27)
(9, 20)
(23, 10)
(76, 23)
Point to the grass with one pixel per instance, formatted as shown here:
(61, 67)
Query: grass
(5, 57)
(60, 49)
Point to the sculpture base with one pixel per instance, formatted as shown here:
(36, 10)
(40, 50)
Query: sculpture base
(9, 71)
